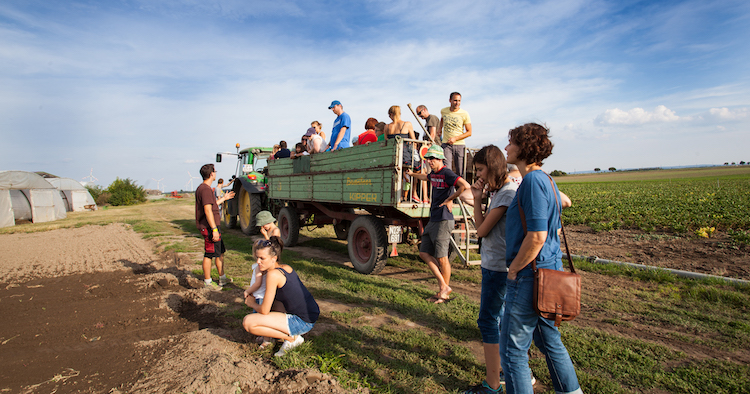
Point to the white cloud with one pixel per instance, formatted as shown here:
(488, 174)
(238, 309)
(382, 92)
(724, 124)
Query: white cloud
(636, 116)
(728, 114)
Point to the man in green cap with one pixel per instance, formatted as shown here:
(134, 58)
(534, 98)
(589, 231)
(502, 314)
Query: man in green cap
(446, 187)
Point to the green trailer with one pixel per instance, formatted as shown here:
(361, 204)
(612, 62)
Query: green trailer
(358, 190)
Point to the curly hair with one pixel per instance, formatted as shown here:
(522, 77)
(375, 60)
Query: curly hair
(497, 170)
(533, 142)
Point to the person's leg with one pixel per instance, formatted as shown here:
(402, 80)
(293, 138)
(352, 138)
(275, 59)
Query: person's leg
(517, 329)
(448, 153)
(427, 252)
(445, 270)
(220, 265)
(442, 248)
(273, 325)
(458, 154)
(207, 268)
(490, 311)
(432, 264)
(561, 369)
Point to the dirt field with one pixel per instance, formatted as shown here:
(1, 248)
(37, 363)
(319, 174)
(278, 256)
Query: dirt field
(93, 309)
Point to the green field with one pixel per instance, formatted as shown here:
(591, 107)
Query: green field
(678, 201)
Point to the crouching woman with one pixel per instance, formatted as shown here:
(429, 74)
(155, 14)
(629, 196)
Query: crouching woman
(283, 285)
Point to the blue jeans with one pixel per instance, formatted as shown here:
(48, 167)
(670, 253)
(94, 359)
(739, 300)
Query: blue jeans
(491, 305)
(519, 324)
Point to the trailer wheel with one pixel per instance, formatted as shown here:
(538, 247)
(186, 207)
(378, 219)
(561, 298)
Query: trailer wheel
(367, 244)
(230, 221)
(289, 225)
(249, 206)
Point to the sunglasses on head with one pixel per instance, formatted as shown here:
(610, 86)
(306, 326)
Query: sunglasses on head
(263, 243)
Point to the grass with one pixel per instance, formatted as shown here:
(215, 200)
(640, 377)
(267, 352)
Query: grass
(380, 333)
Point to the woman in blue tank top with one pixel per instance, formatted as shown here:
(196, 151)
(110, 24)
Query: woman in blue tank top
(282, 284)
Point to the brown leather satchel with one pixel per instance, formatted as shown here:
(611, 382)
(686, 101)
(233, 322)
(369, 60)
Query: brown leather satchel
(557, 294)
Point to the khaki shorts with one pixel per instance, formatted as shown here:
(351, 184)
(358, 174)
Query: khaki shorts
(436, 239)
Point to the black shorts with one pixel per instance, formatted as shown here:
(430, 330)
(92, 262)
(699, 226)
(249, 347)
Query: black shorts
(212, 249)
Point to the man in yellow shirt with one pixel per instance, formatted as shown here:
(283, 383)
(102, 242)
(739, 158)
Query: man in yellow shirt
(453, 121)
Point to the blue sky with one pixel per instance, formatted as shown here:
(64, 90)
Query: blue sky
(153, 89)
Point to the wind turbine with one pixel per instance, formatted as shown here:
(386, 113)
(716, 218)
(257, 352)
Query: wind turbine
(190, 182)
(157, 182)
(91, 178)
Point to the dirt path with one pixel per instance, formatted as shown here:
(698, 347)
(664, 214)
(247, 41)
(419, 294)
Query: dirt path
(93, 309)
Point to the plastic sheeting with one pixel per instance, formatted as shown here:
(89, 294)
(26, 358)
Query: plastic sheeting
(76, 196)
(42, 198)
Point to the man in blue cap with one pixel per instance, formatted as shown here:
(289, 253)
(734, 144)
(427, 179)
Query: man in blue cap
(340, 133)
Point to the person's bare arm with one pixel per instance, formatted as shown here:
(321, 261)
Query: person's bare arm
(417, 175)
(462, 185)
(273, 282)
(530, 247)
(432, 130)
(339, 138)
(565, 200)
(457, 138)
(211, 223)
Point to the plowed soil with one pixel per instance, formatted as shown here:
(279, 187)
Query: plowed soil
(93, 309)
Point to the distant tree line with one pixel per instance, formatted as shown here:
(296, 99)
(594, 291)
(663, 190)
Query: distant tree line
(742, 163)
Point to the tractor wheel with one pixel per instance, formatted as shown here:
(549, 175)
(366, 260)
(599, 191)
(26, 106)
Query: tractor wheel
(230, 221)
(289, 225)
(249, 206)
(367, 244)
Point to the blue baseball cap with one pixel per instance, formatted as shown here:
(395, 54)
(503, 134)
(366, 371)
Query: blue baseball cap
(334, 103)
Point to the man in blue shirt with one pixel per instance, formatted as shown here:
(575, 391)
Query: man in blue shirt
(341, 127)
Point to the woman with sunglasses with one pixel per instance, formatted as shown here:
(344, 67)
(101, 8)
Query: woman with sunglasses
(283, 285)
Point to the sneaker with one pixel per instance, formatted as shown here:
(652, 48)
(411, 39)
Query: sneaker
(211, 285)
(223, 281)
(287, 346)
(533, 379)
(483, 388)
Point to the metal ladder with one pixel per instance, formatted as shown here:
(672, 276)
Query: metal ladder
(461, 238)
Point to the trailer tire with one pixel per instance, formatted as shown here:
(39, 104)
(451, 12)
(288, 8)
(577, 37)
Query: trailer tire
(289, 226)
(367, 244)
(248, 207)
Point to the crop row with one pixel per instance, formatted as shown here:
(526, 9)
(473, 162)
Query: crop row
(672, 205)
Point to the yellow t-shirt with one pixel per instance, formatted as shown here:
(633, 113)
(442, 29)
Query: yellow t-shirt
(453, 124)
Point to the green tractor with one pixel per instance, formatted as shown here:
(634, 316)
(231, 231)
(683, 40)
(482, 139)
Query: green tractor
(249, 187)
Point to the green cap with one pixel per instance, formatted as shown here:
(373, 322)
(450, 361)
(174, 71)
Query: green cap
(435, 151)
(263, 218)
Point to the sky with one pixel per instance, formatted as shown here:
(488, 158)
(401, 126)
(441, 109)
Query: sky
(152, 89)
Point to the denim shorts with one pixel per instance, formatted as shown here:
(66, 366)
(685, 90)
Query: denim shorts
(297, 326)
